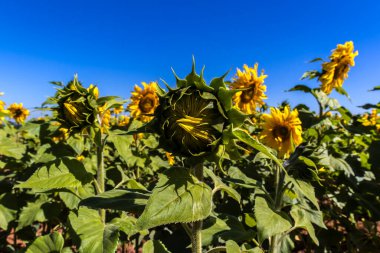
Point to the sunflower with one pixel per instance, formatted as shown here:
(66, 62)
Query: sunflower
(18, 112)
(370, 120)
(144, 102)
(282, 130)
(336, 70)
(252, 97)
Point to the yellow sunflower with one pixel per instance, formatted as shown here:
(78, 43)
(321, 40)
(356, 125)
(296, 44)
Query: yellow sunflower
(336, 70)
(282, 131)
(251, 98)
(18, 112)
(370, 120)
(144, 102)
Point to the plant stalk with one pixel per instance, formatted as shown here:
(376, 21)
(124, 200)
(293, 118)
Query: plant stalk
(275, 242)
(100, 177)
(196, 233)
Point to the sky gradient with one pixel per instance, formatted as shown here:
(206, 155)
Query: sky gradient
(117, 44)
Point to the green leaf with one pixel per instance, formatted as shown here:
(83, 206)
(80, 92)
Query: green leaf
(232, 247)
(305, 189)
(301, 87)
(239, 178)
(252, 142)
(65, 173)
(11, 148)
(94, 235)
(342, 91)
(127, 224)
(177, 197)
(301, 220)
(154, 246)
(125, 200)
(224, 227)
(220, 186)
(375, 88)
(225, 97)
(32, 212)
(341, 165)
(6, 215)
(236, 117)
(52, 243)
(269, 223)
(308, 162)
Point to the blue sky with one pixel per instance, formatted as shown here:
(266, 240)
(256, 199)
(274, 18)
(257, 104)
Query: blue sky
(116, 44)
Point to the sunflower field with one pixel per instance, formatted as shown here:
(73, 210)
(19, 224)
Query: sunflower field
(193, 166)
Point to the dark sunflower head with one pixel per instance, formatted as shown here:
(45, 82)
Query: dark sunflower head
(77, 107)
(195, 119)
(190, 121)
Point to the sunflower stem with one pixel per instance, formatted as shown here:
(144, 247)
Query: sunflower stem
(275, 242)
(196, 233)
(100, 176)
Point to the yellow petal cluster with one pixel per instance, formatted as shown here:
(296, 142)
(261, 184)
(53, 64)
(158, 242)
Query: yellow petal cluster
(18, 112)
(282, 130)
(118, 110)
(63, 134)
(336, 70)
(144, 102)
(253, 95)
(2, 111)
(170, 158)
(123, 120)
(105, 116)
(370, 120)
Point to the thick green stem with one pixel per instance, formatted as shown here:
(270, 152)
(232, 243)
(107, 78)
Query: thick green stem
(275, 242)
(101, 178)
(196, 232)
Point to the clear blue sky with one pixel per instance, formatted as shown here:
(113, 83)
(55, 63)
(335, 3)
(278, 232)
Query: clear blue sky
(116, 44)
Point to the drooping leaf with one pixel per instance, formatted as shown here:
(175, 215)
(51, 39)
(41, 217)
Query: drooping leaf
(269, 222)
(177, 197)
(94, 235)
(119, 199)
(301, 87)
(65, 173)
(52, 243)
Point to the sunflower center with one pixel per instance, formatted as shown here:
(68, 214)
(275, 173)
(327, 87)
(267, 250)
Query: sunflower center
(18, 113)
(147, 103)
(247, 95)
(281, 132)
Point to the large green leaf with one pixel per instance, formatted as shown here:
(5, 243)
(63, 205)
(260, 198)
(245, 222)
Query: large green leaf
(94, 235)
(269, 223)
(9, 147)
(154, 246)
(52, 243)
(220, 186)
(254, 143)
(119, 199)
(177, 197)
(32, 212)
(301, 220)
(65, 173)
(305, 189)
